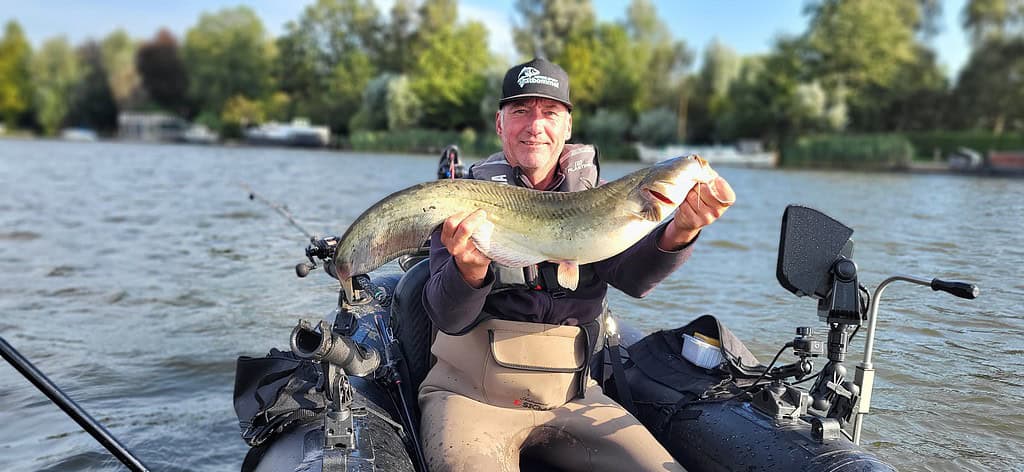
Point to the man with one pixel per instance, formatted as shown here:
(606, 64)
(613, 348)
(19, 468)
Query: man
(513, 345)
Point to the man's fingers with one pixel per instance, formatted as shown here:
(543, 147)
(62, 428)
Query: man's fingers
(449, 227)
(469, 225)
(721, 192)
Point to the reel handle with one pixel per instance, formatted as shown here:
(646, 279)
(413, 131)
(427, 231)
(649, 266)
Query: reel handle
(959, 289)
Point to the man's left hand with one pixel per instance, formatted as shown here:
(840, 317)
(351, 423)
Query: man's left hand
(704, 204)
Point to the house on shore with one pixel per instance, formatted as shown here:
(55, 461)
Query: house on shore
(150, 126)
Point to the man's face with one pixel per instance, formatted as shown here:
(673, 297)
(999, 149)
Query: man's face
(533, 132)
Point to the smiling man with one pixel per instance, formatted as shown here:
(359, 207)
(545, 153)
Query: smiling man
(514, 346)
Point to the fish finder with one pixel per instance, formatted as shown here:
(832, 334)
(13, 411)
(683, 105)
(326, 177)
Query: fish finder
(815, 260)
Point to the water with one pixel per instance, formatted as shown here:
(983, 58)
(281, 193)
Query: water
(134, 275)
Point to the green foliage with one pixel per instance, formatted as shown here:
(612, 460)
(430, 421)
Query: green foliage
(277, 107)
(242, 111)
(449, 76)
(620, 69)
(929, 143)
(861, 66)
(607, 129)
(987, 20)
(372, 113)
(656, 127)
(92, 102)
(228, 53)
(548, 26)
(328, 57)
(15, 76)
(611, 125)
(990, 90)
(424, 141)
(118, 54)
(710, 98)
(863, 42)
(849, 152)
(55, 71)
(403, 107)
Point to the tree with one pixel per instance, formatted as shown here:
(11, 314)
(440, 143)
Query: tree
(546, 26)
(656, 127)
(709, 97)
(55, 71)
(990, 89)
(861, 42)
(774, 99)
(15, 76)
(403, 106)
(328, 56)
(92, 103)
(398, 42)
(993, 19)
(449, 77)
(917, 99)
(118, 51)
(163, 73)
(372, 114)
(663, 60)
(228, 53)
(865, 48)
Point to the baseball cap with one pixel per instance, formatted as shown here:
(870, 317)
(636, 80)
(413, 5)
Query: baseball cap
(537, 78)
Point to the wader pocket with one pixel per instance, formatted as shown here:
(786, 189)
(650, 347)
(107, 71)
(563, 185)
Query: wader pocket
(533, 365)
(512, 364)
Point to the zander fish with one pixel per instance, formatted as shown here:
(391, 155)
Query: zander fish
(525, 226)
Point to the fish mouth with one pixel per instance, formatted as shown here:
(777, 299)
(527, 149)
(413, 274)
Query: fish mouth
(660, 197)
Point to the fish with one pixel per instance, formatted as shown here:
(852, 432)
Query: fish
(524, 226)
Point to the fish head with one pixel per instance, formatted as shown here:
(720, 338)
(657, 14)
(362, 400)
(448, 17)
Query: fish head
(665, 185)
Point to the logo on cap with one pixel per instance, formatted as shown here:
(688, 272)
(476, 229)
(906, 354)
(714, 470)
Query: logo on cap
(530, 75)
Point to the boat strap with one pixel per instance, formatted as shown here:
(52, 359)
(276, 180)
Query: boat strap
(621, 388)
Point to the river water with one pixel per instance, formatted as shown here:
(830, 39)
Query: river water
(133, 276)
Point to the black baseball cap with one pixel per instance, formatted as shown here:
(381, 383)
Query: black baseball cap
(537, 78)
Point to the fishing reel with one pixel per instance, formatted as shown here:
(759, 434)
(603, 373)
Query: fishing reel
(319, 248)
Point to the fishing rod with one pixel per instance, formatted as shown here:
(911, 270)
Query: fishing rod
(323, 249)
(280, 209)
(319, 248)
(56, 395)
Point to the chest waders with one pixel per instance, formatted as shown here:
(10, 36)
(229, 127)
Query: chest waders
(504, 391)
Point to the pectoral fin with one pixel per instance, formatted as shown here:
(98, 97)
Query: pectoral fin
(650, 211)
(568, 274)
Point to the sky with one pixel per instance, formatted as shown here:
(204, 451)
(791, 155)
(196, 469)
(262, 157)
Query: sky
(747, 26)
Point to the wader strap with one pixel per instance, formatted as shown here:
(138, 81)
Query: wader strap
(621, 385)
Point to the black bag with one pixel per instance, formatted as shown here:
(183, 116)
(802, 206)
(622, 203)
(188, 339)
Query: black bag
(274, 392)
(662, 382)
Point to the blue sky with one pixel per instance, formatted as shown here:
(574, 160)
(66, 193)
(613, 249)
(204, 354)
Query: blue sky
(748, 26)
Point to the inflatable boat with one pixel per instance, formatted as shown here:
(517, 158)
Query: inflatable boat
(343, 396)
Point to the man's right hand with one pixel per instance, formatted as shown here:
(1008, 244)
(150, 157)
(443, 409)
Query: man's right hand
(455, 235)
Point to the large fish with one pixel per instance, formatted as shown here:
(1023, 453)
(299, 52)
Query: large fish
(525, 226)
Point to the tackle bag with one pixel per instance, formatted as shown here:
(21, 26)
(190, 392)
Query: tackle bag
(662, 383)
(274, 392)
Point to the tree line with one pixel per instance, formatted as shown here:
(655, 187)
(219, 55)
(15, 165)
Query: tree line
(860, 66)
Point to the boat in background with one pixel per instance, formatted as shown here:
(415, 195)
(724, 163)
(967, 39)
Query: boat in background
(297, 133)
(743, 154)
(970, 161)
